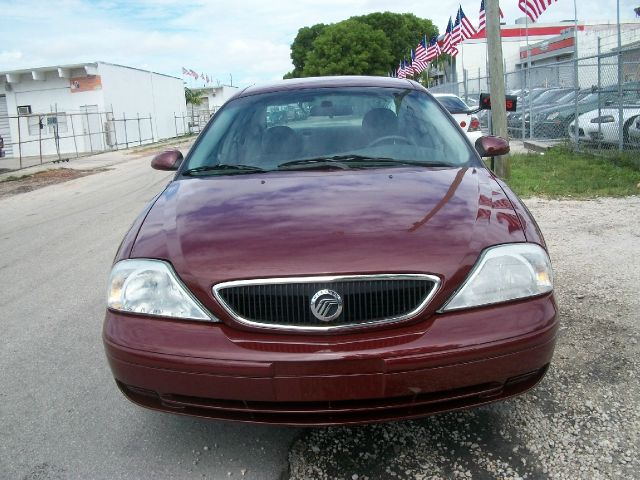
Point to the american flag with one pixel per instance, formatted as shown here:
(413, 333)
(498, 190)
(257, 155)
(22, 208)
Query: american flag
(401, 71)
(194, 74)
(420, 61)
(467, 29)
(408, 67)
(185, 71)
(433, 50)
(446, 40)
(447, 45)
(456, 31)
(534, 8)
(483, 19)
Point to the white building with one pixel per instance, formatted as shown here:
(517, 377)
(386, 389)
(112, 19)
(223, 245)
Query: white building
(214, 97)
(82, 107)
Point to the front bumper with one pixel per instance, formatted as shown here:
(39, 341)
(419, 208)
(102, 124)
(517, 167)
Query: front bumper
(446, 362)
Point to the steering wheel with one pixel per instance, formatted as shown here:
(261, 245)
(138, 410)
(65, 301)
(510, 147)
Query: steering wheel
(392, 139)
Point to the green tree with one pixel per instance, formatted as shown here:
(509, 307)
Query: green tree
(192, 96)
(349, 48)
(404, 30)
(368, 44)
(301, 46)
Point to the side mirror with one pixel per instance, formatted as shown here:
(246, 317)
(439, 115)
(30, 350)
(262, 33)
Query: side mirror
(167, 160)
(491, 146)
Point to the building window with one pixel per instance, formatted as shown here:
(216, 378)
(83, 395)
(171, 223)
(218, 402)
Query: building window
(35, 122)
(24, 110)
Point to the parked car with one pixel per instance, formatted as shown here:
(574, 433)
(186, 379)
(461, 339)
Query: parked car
(634, 132)
(549, 98)
(345, 269)
(603, 126)
(554, 122)
(468, 122)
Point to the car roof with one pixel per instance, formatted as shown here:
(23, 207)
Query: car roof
(330, 82)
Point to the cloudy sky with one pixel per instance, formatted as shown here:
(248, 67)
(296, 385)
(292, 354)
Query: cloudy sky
(248, 39)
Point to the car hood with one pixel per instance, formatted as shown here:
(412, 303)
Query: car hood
(396, 220)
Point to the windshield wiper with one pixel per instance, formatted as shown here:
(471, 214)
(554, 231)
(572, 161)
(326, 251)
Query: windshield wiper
(360, 160)
(418, 163)
(335, 159)
(223, 167)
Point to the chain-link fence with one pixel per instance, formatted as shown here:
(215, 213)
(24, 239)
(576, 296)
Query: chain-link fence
(38, 138)
(602, 91)
(193, 121)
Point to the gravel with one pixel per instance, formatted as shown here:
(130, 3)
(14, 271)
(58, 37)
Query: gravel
(582, 421)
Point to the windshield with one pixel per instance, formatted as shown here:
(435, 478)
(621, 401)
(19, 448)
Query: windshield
(453, 104)
(353, 127)
(550, 96)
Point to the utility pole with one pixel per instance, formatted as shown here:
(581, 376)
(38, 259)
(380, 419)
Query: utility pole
(496, 84)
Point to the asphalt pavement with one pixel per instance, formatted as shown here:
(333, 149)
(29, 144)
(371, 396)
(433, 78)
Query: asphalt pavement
(61, 414)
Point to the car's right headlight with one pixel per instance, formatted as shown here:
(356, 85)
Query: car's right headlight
(503, 273)
(151, 287)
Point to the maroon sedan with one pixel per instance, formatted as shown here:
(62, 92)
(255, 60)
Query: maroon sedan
(331, 251)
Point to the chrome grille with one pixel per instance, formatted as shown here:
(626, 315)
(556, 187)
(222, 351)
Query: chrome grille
(286, 302)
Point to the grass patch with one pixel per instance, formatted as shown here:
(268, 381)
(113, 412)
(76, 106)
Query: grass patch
(13, 178)
(563, 173)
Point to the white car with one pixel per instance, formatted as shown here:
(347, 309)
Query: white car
(455, 105)
(634, 132)
(604, 126)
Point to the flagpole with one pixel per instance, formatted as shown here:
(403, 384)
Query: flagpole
(576, 81)
(528, 81)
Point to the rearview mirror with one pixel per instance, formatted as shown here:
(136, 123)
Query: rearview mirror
(167, 160)
(491, 146)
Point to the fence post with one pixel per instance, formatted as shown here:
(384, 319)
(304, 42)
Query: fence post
(86, 111)
(576, 79)
(526, 74)
(175, 122)
(465, 77)
(19, 142)
(73, 134)
(151, 128)
(126, 137)
(103, 139)
(599, 87)
(139, 132)
(40, 137)
(620, 92)
(115, 128)
(56, 134)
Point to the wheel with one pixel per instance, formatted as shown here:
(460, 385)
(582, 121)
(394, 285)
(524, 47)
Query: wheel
(391, 139)
(626, 139)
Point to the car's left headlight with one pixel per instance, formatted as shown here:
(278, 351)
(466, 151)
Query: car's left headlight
(151, 287)
(503, 273)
